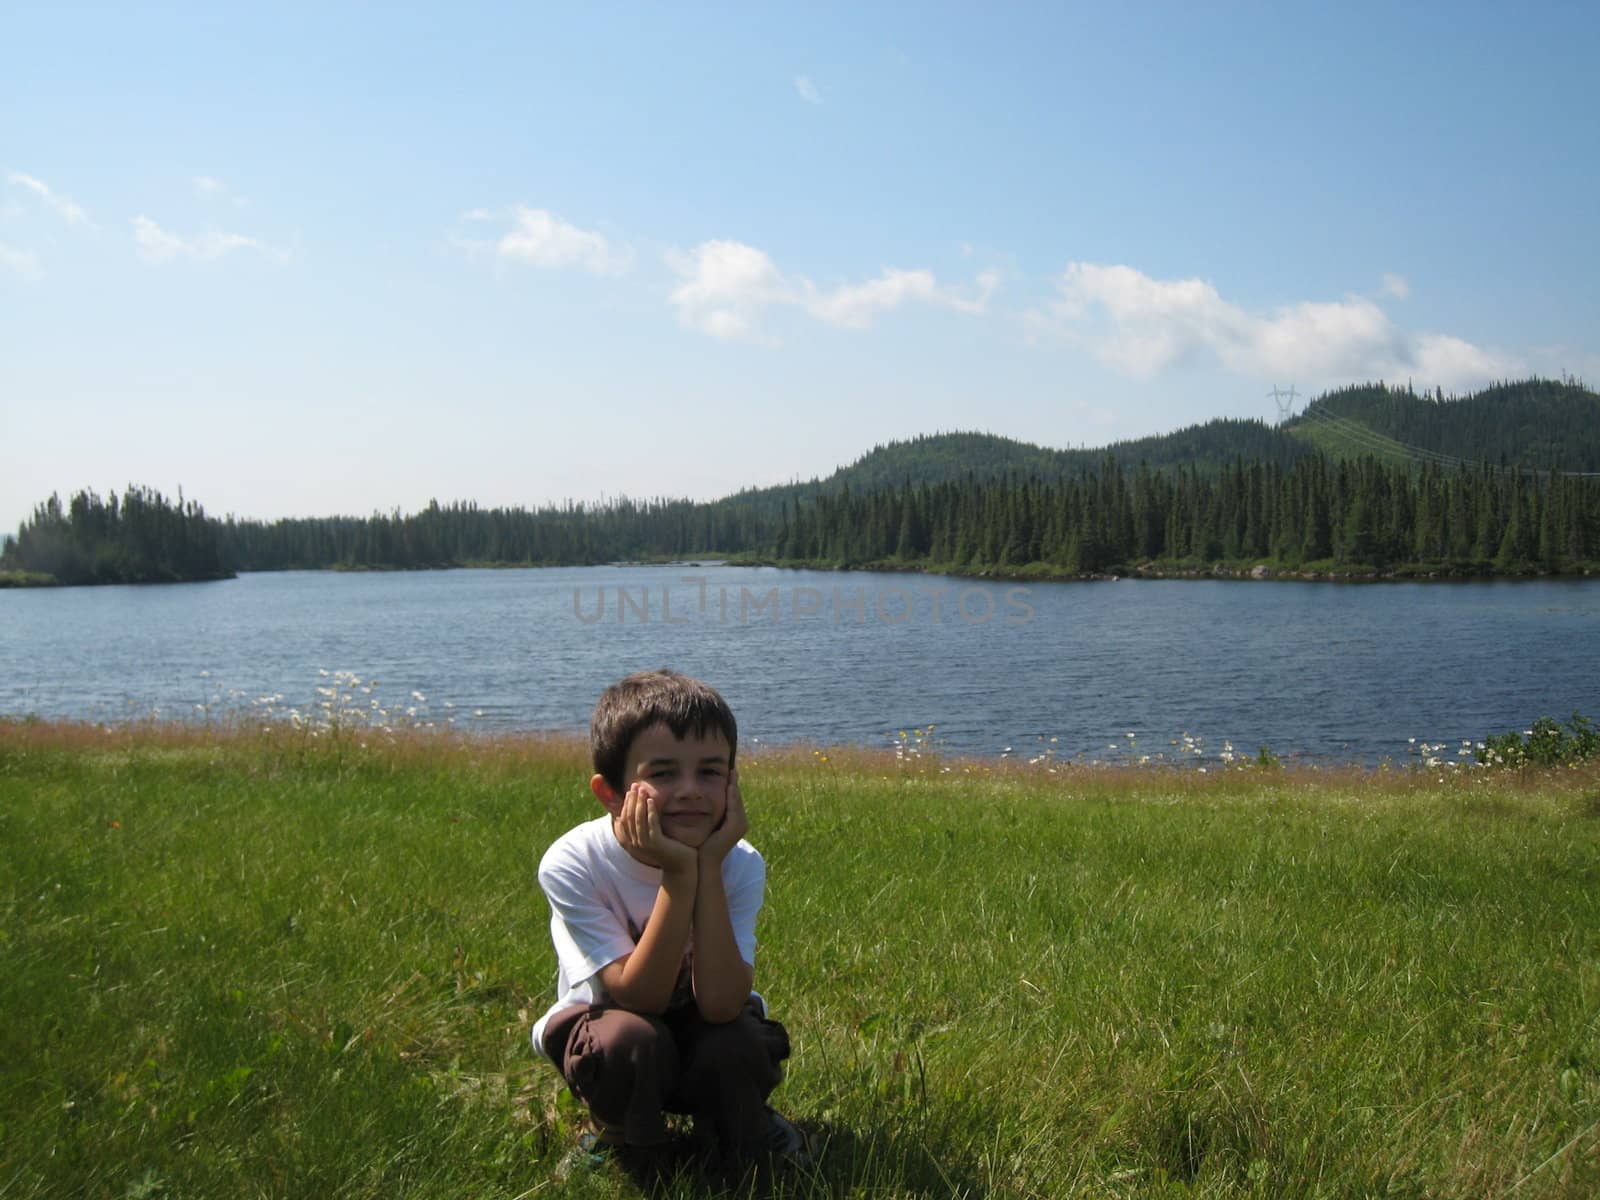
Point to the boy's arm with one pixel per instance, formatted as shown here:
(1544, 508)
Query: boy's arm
(643, 980)
(722, 979)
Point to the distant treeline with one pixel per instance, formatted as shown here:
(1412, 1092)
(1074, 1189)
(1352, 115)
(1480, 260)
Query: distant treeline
(139, 537)
(1370, 478)
(142, 537)
(466, 535)
(1357, 515)
(1339, 513)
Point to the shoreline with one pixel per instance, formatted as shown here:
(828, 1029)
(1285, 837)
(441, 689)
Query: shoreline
(912, 755)
(1242, 572)
(1027, 573)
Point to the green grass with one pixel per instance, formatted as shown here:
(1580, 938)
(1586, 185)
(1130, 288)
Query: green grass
(271, 965)
(1349, 438)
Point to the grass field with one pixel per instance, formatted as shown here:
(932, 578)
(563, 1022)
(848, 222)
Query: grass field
(240, 964)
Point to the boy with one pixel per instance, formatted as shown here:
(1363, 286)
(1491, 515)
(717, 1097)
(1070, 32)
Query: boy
(652, 911)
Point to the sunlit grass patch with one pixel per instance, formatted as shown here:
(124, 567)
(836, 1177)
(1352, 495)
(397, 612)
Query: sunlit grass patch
(241, 960)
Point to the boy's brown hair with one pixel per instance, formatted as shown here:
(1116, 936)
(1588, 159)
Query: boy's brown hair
(648, 698)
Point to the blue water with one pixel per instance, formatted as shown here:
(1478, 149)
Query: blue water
(1326, 671)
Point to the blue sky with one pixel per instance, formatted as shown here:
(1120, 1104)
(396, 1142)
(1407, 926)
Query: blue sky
(336, 258)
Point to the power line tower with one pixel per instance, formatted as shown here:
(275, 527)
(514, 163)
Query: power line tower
(1284, 400)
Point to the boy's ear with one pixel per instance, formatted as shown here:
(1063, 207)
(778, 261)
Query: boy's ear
(606, 794)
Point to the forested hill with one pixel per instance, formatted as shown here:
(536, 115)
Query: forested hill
(949, 457)
(1504, 481)
(945, 458)
(1537, 424)
(1541, 424)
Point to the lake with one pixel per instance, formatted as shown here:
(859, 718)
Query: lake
(1333, 672)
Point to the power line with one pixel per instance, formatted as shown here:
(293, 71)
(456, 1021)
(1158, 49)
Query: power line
(1370, 439)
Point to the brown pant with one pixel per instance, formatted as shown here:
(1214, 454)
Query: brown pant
(629, 1069)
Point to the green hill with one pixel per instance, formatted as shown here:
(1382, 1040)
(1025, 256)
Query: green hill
(953, 457)
(946, 457)
(1534, 423)
(1537, 423)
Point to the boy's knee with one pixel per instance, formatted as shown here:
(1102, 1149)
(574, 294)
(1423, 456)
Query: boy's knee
(744, 1048)
(613, 1053)
(633, 1033)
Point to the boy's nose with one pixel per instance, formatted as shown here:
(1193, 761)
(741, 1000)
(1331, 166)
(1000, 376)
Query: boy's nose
(687, 790)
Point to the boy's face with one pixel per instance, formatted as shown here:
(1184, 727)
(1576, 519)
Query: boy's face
(688, 776)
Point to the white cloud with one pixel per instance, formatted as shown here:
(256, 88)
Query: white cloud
(209, 187)
(157, 246)
(23, 262)
(1320, 338)
(807, 89)
(68, 208)
(543, 239)
(1396, 286)
(1448, 360)
(854, 305)
(727, 285)
(1143, 326)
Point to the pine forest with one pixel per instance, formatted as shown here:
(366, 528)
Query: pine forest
(1339, 491)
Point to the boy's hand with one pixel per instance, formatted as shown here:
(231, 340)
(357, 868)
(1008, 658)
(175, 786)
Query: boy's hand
(639, 828)
(734, 826)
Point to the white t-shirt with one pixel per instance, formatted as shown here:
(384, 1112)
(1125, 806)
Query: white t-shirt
(600, 898)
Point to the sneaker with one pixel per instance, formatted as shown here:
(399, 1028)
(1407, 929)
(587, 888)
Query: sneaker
(597, 1149)
(589, 1155)
(597, 1135)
